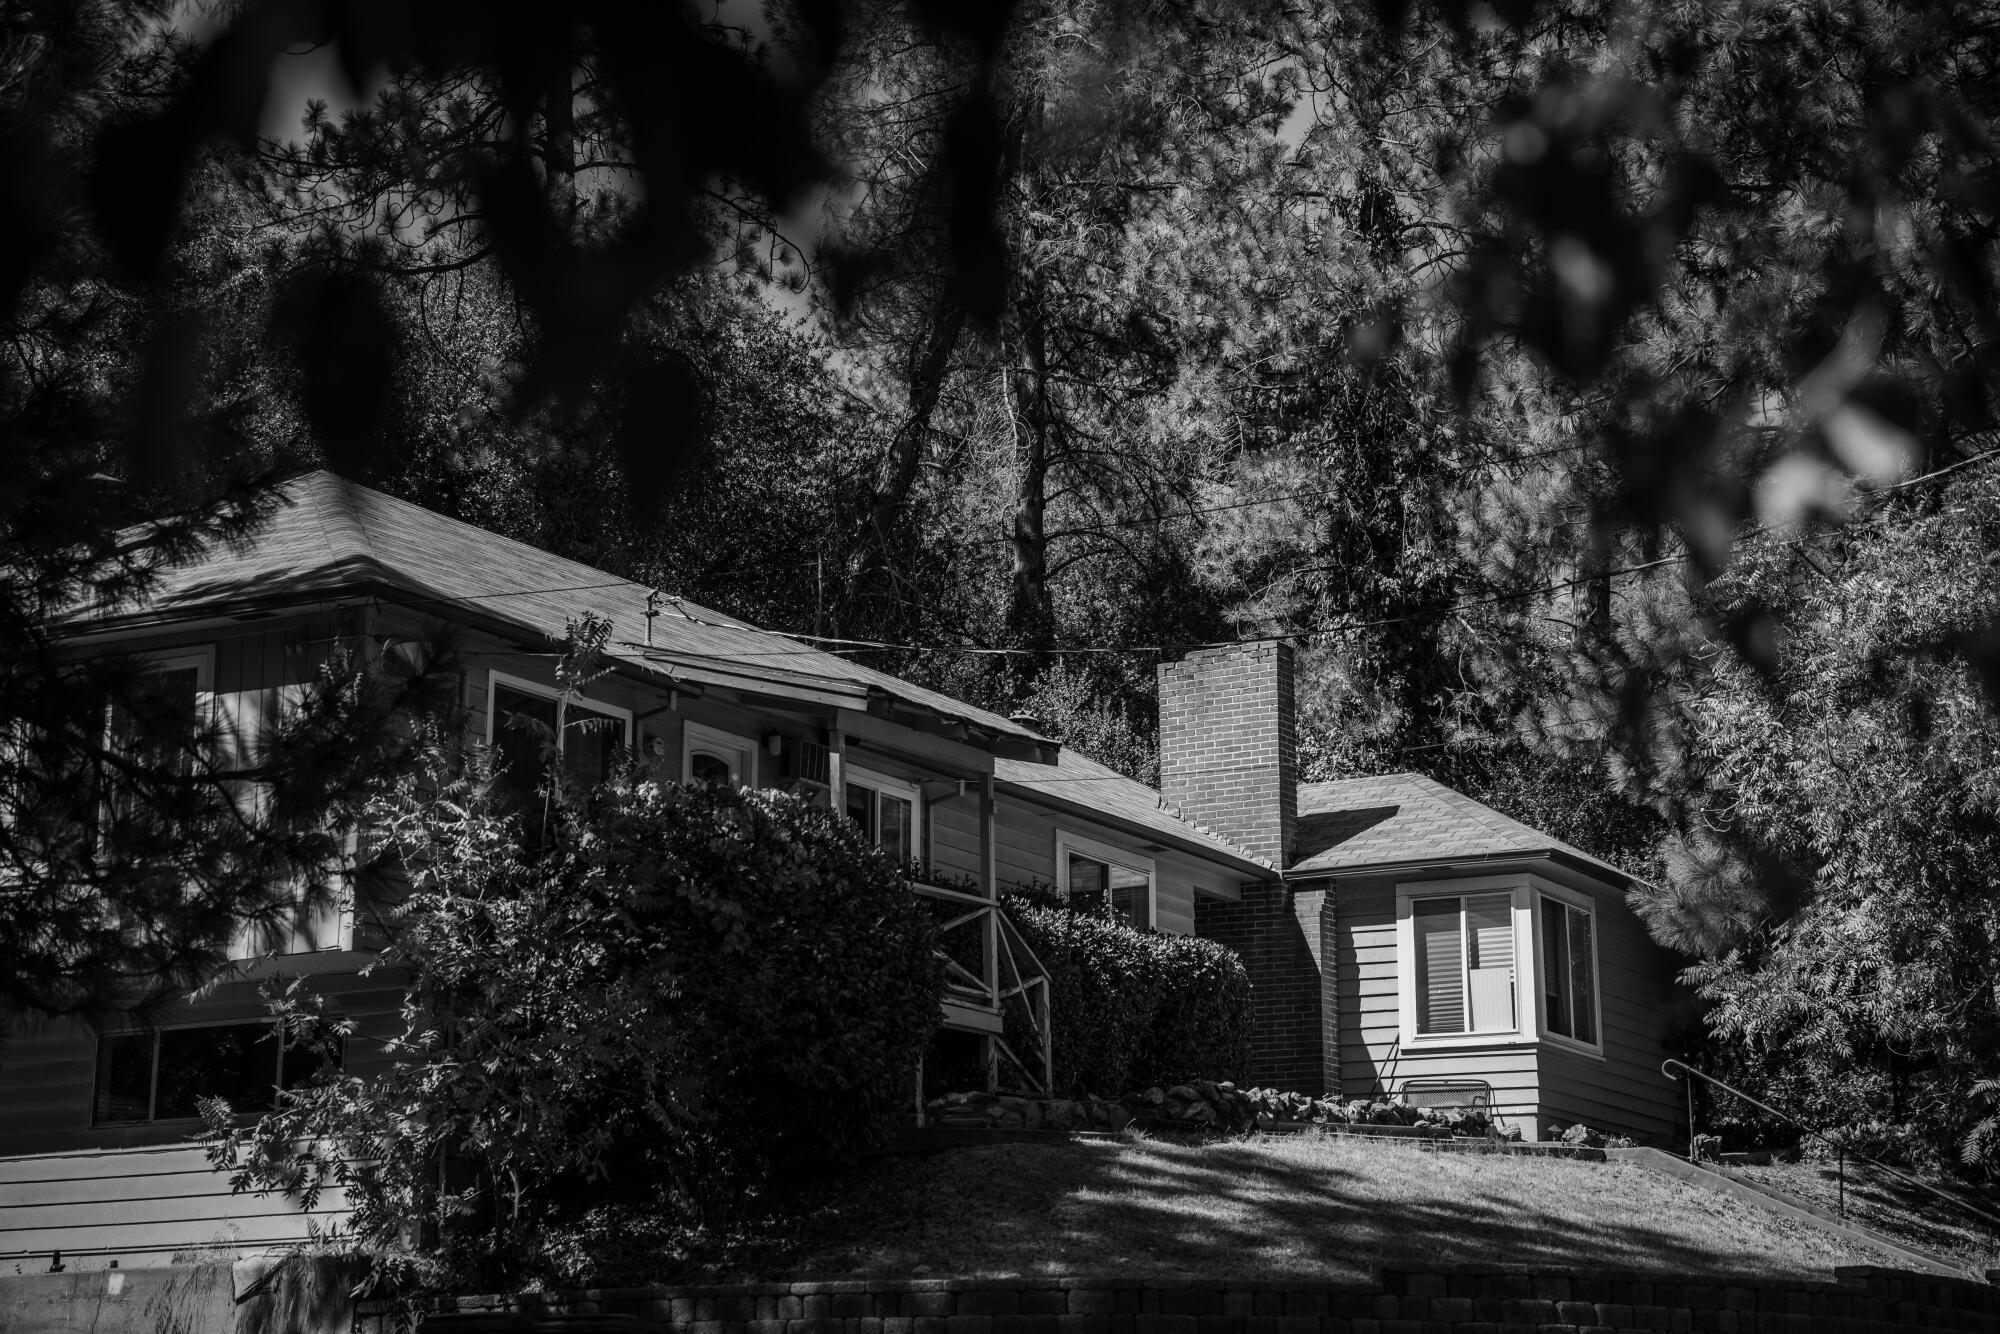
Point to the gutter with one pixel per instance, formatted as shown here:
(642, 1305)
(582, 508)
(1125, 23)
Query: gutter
(1471, 862)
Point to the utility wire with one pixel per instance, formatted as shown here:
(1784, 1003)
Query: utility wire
(839, 645)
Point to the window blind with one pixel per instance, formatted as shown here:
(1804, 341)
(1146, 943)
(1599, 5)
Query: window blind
(1440, 966)
(1489, 960)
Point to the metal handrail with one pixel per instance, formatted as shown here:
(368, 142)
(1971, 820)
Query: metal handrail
(1841, 1148)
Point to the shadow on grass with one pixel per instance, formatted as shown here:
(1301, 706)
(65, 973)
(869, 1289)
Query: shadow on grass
(1330, 1211)
(1894, 1208)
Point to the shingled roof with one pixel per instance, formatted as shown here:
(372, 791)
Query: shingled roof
(1081, 783)
(332, 538)
(1398, 819)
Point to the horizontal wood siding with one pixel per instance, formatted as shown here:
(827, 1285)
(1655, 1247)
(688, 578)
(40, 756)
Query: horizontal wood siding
(48, 1073)
(1624, 1092)
(1539, 1083)
(139, 1207)
(1372, 1060)
(1025, 850)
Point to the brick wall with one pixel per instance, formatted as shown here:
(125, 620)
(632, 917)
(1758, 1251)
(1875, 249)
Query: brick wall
(1229, 744)
(1283, 934)
(1430, 1302)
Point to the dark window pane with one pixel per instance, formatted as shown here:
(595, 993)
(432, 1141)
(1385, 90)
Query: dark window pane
(124, 1077)
(1128, 896)
(898, 836)
(237, 1063)
(1582, 987)
(704, 767)
(1088, 881)
(1555, 969)
(523, 724)
(299, 1065)
(590, 741)
(861, 808)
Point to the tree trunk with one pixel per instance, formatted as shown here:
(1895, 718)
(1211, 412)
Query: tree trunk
(1030, 617)
(889, 488)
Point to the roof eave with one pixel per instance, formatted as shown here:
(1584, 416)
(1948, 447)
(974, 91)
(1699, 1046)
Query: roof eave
(1188, 843)
(1470, 861)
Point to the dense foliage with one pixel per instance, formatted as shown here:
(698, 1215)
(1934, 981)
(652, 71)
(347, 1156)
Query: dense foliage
(1131, 1008)
(679, 1003)
(1548, 370)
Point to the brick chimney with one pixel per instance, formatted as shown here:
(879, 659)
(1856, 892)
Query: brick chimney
(1229, 744)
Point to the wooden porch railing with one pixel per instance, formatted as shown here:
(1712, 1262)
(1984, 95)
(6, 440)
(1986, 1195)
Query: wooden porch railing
(988, 968)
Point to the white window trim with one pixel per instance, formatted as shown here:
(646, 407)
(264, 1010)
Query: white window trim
(895, 787)
(1066, 843)
(496, 679)
(694, 735)
(1528, 891)
(1564, 895)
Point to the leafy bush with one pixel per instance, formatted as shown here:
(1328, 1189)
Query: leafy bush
(1130, 1008)
(680, 1000)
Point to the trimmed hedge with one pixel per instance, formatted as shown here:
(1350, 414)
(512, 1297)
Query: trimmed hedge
(1130, 1008)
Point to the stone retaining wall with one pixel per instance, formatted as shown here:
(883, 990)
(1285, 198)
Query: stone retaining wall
(1486, 1301)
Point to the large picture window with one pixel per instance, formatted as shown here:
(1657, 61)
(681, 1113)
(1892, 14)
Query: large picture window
(885, 809)
(163, 1075)
(1569, 971)
(1465, 964)
(1096, 877)
(588, 733)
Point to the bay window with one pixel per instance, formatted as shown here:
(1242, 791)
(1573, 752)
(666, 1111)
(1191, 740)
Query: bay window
(1491, 960)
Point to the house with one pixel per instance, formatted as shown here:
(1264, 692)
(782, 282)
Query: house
(94, 1159)
(1416, 941)
(1396, 933)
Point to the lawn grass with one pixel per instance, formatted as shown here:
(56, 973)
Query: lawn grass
(1321, 1208)
(1900, 1212)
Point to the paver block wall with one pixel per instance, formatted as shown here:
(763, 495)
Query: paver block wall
(1433, 1302)
(1280, 932)
(1229, 744)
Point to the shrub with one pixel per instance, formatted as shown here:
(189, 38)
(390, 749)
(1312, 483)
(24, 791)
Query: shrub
(682, 999)
(1129, 1009)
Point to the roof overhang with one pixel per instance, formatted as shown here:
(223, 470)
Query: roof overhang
(1186, 843)
(1590, 867)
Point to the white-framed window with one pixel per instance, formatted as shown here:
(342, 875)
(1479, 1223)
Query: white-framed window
(588, 731)
(1566, 937)
(886, 809)
(161, 1074)
(179, 679)
(1494, 960)
(1095, 875)
(711, 755)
